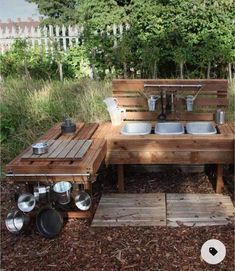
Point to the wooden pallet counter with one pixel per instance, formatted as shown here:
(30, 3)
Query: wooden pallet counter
(133, 94)
(179, 149)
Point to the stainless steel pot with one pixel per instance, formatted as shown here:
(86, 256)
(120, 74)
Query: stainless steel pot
(49, 222)
(83, 201)
(40, 148)
(16, 221)
(62, 191)
(26, 202)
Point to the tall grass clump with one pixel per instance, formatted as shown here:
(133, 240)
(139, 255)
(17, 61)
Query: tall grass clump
(30, 107)
(231, 100)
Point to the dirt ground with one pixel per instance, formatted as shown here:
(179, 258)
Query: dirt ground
(80, 247)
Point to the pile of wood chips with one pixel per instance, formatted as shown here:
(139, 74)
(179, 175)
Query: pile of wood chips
(80, 247)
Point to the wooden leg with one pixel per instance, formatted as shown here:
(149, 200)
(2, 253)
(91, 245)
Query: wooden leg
(219, 179)
(120, 169)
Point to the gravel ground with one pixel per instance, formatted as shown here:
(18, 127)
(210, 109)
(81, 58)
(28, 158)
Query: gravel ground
(80, 247)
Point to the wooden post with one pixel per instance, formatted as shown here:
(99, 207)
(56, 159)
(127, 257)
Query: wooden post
(219, 179)
(120, 185)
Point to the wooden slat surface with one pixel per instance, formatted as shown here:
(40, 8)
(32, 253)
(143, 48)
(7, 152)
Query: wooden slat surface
(89, 163)
(130, 210)
(154, 209)
(199, 209)
(131, 95)
(61, 150)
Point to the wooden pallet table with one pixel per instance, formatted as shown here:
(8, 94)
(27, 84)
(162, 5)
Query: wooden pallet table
(72, 157)
(179, 149)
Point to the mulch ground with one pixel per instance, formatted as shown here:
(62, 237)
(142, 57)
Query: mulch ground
(80, 247)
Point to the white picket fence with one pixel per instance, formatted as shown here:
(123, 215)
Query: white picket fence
(45, 37)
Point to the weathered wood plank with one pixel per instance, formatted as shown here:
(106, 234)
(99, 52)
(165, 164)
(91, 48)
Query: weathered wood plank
(135, 210)
(75, 149)
(83, 149)
(199, 209)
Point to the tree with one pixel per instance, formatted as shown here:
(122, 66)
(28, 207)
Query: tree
(57, 11)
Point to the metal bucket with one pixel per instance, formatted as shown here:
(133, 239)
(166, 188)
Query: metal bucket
(62, 191)
(26, 202)
(16, 221)
(83, 201)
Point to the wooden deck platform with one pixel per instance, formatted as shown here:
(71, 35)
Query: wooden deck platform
(199, 210)
(130, 210)
(161, 209)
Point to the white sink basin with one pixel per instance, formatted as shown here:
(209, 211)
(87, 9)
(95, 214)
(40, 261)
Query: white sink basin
(200, 128)
(169, 128)
(136, 128)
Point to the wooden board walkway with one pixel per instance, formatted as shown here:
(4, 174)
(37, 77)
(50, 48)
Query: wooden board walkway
(199, 210)
(159, 209)
(131, 210)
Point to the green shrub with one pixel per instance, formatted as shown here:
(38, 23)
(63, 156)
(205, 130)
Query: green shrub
(23, 60)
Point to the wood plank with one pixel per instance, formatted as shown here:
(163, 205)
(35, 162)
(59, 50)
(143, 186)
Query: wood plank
(59, 149)
(67, 149)
(83, 149)
(138, 210)
(137, 84)
(75, 149)
(142, 102)
(199, 209)
(163, 157)
(151, 116)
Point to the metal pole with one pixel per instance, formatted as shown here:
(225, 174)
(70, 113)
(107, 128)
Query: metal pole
(47, 175)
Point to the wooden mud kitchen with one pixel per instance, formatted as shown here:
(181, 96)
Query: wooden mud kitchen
(76, 157)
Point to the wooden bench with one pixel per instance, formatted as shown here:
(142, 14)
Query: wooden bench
(183, 149)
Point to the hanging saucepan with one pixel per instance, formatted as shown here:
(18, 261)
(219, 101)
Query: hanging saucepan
(26, 202)
(83, 200)
(49, 222)
(62, 191)
(16, 221)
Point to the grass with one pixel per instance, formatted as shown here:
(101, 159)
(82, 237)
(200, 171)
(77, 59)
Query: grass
(231, 100)
(30, 107)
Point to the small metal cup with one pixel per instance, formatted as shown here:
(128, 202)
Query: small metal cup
(189, 102)
(220, 116)
(62, 191)
(152, 102)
